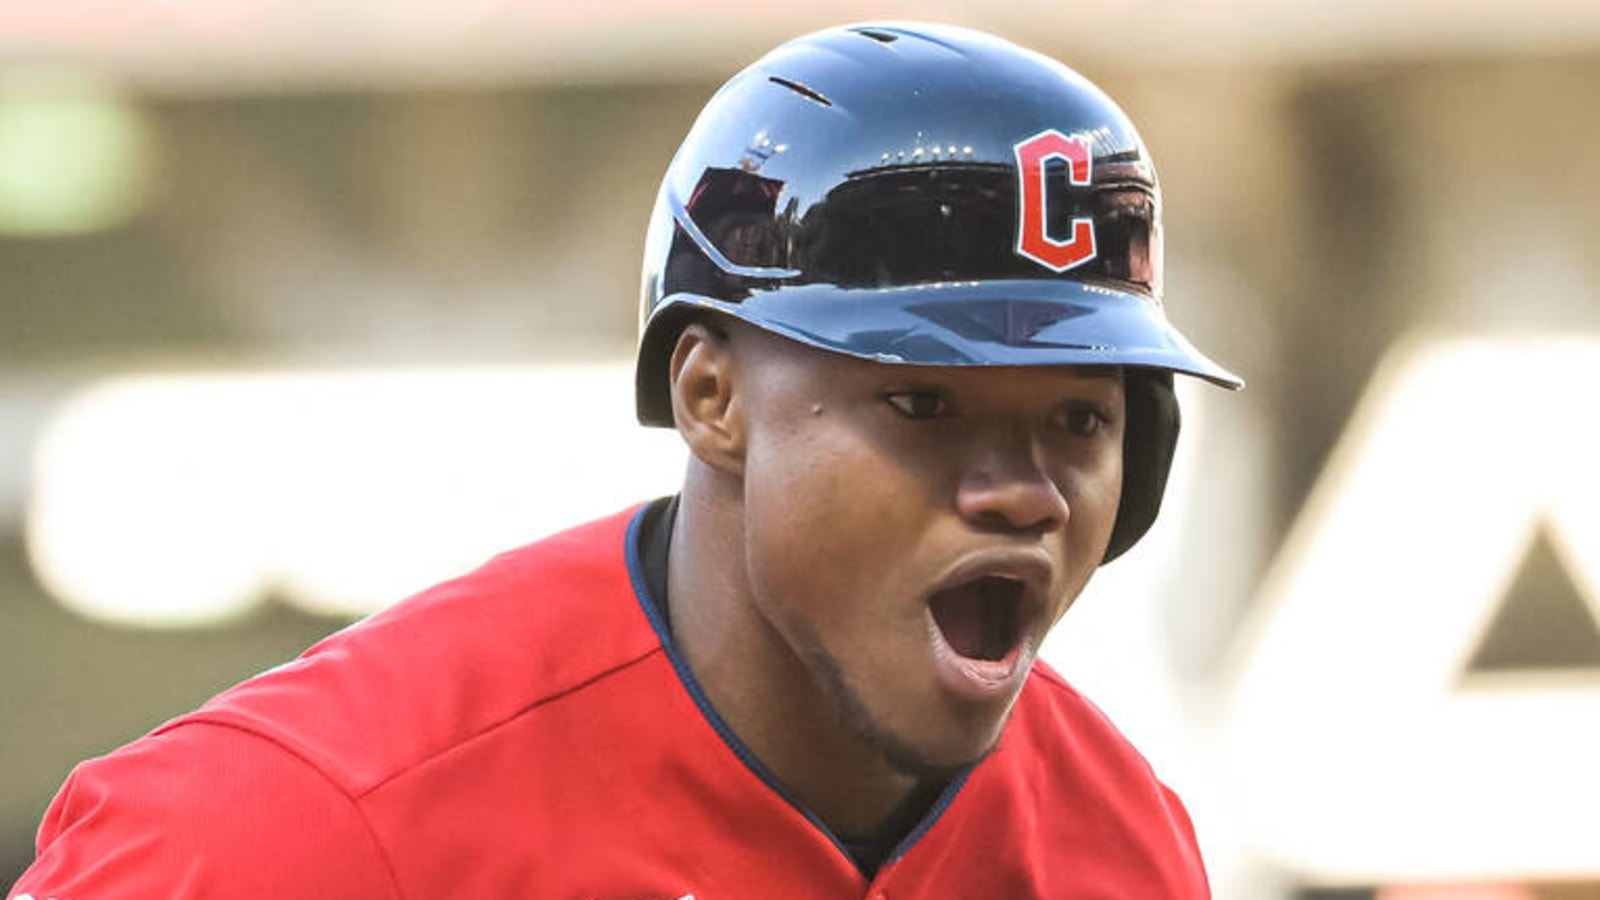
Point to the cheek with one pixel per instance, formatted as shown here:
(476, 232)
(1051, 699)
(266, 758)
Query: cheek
(824, 510)
(1093, 490)
(1099, 488)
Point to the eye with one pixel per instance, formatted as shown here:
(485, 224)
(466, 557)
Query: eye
(919, 404)
(1083, 421)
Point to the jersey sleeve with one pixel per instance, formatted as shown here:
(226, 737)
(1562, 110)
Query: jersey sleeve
(204, 812)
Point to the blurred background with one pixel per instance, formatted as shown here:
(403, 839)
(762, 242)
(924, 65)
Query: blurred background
(305, 304)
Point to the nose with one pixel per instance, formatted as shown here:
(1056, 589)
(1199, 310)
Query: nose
(1007, 487)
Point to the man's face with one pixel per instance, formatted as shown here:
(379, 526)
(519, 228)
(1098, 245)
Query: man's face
(913, 532)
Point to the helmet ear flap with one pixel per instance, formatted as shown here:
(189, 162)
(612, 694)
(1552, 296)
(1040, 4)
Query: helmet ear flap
(1148, 443)
(652, 386)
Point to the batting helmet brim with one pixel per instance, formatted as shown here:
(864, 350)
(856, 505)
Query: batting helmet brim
(990, 323)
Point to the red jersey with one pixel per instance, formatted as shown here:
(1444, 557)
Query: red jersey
(528, 730)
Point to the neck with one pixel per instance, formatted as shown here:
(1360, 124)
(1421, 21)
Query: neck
(754, 677)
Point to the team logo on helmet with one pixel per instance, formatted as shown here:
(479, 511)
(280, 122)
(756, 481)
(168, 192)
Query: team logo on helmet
(1033, 240)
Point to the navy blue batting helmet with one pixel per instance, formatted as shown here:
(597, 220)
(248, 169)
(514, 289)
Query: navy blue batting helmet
(925, 195)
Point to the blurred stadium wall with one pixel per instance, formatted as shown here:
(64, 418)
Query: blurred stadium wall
(304, 304)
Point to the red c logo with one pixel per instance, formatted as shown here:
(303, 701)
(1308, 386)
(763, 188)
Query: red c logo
(1032, 241)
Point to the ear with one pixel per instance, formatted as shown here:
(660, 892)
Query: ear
(704, 404)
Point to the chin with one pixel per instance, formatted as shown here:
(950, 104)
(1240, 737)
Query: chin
(926, 750)
(937, 764)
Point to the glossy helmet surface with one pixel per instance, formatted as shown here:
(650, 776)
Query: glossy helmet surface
(925, 195)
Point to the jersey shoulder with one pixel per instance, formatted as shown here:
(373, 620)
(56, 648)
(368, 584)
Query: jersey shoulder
(1105, 786)
(1059, 728)
(205, 812)
(1057, 717)
(452, 663)
(1065, 806)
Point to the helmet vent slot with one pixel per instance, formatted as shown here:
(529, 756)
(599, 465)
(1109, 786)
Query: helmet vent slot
(882, 37)
(800, 89)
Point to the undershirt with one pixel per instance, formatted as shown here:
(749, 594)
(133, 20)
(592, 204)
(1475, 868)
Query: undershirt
(867, 850)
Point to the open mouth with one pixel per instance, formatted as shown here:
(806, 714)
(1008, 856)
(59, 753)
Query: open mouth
(980, 619)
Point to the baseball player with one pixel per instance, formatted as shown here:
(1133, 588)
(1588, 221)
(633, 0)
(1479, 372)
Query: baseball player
(902, 300)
